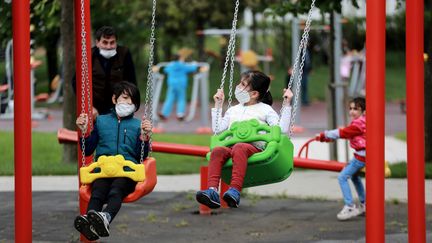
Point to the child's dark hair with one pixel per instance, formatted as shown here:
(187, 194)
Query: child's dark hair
(260, 82)
(106, 32)
(130, 89)
(359, 102)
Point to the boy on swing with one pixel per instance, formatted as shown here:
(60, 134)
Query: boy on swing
(114, 133)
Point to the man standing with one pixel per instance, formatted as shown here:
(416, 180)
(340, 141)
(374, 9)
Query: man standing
(111, 63)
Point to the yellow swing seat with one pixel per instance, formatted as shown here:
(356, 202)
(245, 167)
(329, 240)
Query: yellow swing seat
(112, 166)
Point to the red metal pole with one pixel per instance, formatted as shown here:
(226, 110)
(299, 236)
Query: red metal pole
(80, 30)
(22, 120)
(204, 210)
(415, 121)
(375, 106)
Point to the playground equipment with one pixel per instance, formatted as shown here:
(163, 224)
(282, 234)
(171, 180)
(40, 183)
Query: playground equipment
(277, 159)
(272, 165)
(358, 76)
(375, 43)
(199, 94)
(245, 33)
(113, 166)
(304, 153)
(7, 99)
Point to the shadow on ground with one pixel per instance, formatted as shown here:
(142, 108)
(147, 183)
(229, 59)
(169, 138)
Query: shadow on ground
(172, 217)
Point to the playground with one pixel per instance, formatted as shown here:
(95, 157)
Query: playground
(288, 155)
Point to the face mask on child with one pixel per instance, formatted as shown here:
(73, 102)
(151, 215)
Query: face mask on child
(107, 53)
(124, 109)
(242, 95)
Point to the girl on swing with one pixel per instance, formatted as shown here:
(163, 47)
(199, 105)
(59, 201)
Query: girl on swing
(255, 102)
(114, 133)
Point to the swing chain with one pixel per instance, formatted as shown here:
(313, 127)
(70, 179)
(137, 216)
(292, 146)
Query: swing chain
(232, 57)
(229, 57)
(301, 50)
(85, 84)
(148, 106)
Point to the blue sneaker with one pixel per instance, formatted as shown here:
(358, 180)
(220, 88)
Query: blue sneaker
(208, 197)
(232, 197)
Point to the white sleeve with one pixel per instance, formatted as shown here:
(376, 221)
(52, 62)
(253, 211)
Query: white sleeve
(285, 119)
(272, 118)
(332, 134)
(217, 119)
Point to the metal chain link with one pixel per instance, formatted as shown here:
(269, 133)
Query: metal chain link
(232, 55)
(301, 50)
(229, 57)
(85, 84)
(148, 106)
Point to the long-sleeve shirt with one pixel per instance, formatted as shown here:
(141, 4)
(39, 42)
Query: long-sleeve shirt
(356, 133)
(178, 73)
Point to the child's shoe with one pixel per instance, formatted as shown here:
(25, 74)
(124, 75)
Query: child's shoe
(100, 222)
(208, 197)
(82, 224)
(232, 197)
(348, 212)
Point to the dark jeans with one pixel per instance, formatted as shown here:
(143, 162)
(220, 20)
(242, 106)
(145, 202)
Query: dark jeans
(111, 191)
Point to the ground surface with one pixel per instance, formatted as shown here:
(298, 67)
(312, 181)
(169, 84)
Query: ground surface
(172, 217)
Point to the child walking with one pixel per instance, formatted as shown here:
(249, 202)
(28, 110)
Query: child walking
(255, 102)
(356, 133)
(115, 133)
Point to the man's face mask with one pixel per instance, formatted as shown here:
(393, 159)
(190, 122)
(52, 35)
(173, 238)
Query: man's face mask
(242, 95)
(108, 53)
(124, 109)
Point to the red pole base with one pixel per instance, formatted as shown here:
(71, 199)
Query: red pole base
(204, 210)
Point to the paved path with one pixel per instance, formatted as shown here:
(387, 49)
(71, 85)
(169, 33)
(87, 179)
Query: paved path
(301, 184)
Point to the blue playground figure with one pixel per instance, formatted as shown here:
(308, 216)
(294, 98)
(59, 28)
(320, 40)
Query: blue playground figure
(177, 80)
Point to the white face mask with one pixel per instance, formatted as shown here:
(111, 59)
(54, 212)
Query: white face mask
(108, 53)
(124, 109)
(242, 95)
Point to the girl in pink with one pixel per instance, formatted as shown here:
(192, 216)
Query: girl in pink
(356, 133)
(255, 101)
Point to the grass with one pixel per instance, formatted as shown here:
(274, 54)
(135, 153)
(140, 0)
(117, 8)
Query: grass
(399, 170)
(47, 155)
(401, 136)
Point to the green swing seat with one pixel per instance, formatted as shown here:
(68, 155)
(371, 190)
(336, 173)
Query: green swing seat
(272, 165)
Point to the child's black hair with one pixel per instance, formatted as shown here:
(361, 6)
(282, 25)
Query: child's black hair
(359, 102)
(260, 82)
(130, 89)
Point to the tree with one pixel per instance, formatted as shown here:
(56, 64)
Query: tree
(70, 153)
(44, 18)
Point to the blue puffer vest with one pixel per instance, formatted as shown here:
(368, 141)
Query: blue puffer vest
(118, 136)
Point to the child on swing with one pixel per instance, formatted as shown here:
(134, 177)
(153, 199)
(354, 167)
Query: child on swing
(255, 102)
(115, 133)
(356, 133)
